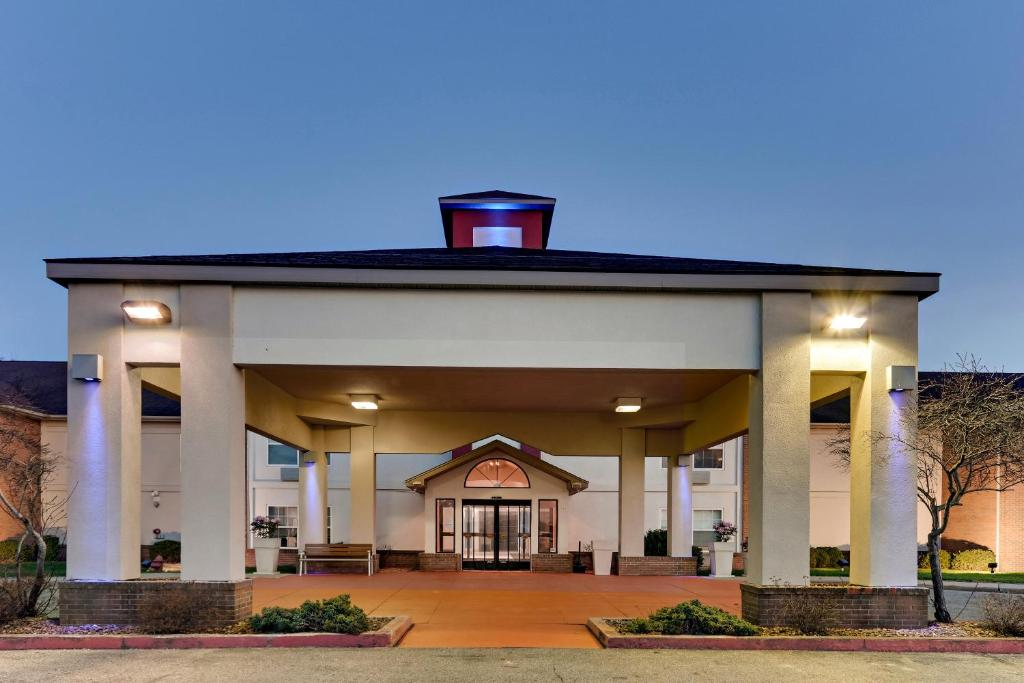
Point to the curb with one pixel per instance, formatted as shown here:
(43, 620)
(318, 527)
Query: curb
(611, 639)
(387, 636)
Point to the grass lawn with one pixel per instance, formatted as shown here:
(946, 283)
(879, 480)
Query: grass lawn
(949, 575)
(53, 568)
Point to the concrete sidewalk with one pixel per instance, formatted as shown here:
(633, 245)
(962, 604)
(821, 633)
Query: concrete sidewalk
(565, 666)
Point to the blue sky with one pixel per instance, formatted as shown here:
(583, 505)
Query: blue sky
(886, 135)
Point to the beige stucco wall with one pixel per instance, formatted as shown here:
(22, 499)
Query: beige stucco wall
(495, 328)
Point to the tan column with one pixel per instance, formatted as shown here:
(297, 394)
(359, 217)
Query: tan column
(313, 492)
(779, 524)
(213, 519)
(103, 442)
(883, 494)
(631, 493)
(680, 507)
(363, 524)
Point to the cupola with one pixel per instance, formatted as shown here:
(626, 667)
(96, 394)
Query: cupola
(496, 219)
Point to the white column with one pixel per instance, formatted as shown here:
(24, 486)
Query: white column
(103, 442)
(680, 507)
(631, 493)
(213, 519)
(780, 398)
(364, 487)
(313, 492)
(883, 498)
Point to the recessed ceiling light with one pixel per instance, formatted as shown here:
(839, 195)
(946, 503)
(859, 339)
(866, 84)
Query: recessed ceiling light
(364, 401)
(627, 405)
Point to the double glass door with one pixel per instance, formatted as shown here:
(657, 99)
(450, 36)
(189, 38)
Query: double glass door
(496, 534)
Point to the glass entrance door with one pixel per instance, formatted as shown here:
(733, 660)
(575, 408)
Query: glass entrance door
(496, 534)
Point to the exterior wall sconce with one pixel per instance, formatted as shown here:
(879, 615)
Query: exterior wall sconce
(87, 367)
(155, 495)
(900, 378)
(628, 405)
(845, 321)
(147, 312)
(364, 401)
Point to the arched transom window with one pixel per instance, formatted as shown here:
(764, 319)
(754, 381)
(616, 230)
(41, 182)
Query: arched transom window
(497, 473)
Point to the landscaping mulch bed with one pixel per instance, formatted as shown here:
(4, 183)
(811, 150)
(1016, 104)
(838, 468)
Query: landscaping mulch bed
(52, 627)
(963, 629)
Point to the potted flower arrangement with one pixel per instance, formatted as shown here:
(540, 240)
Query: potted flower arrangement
(266, 544)
(721, 554)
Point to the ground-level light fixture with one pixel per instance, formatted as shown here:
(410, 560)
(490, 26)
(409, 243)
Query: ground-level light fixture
(363, 401)
(147, 312)
(845, 321)
(628, 405)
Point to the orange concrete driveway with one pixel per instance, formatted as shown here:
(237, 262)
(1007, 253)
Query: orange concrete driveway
(500, 609)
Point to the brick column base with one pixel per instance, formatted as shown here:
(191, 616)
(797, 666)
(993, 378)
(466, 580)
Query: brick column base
(854, 606)
(551, 562)
(440, 562)
(118, 602)
(654, 566)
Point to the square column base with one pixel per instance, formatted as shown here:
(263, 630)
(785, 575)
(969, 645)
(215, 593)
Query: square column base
(118, 602)
(654, 566)
(551, 562)
(855, 606)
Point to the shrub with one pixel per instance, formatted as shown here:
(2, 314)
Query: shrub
(169, 550)
(691, 618)
(698, 554)
(176, 609)
(656, 543)
(9, 548)
(824, 557)
(813, 614)
(335, 615)
(973, 560)
(945, 560)
(1004, 614)
(958, 545)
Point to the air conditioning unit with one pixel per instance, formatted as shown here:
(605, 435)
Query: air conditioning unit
(700, 477)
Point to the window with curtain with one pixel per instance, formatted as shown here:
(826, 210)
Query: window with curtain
(497, 473)
(547, 526)
(704, 526)
(708, 459)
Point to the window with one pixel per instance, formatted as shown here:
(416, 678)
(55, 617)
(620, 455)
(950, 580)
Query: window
(445, 525)
(497, 237)
(497, 473)
(329, 524)
(708, 459)
(287, 517)
(279, 454)
(663, 518)
(704, 526)
(547, 526)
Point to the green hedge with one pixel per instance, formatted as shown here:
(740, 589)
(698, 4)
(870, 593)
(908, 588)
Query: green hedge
(9, 548)
(656, 543)
(690, 618)
(169, 550)
(825, 557)
(973, 560)
(945, 560)
(335, 615)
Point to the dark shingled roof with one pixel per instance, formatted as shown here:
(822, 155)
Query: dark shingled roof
(491, 258)
(497, 194)
(42, 386)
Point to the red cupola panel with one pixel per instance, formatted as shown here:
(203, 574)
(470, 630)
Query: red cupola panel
(529, 236)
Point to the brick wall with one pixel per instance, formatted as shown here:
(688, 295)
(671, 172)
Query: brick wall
(1011, 530)
(551, 562)
(856, 607)
(654, 566)
(28, 428)
(288, 557)
(118, 602)
(399, 559)
(440, 562)
(745, 526)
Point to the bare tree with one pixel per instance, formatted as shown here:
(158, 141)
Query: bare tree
(968, 438)
(27, 467)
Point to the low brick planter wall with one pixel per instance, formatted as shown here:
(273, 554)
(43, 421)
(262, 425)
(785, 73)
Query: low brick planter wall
(287, 557)
(399, 559)
(118, 602)
(856, 606)
(440, 562)
(551, 562)
(612, 639)
(654, 566)
(387, 636)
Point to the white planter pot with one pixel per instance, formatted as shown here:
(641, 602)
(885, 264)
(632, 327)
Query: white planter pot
(602, 562)
(267, 551)
(721, 559)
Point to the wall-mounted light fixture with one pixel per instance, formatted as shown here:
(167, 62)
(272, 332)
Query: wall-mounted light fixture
(147, 312)
(900, 378)
(363, 401)
(628, 405)
(87, 367)
(845, 321)
(155, 495)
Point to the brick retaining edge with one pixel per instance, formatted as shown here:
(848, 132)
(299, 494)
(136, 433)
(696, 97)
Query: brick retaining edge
(612, 639)
(387, 636)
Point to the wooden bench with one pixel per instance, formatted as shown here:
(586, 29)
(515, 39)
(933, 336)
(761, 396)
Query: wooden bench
(336, 552)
